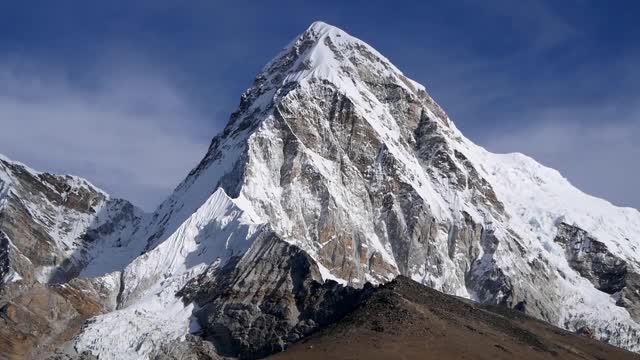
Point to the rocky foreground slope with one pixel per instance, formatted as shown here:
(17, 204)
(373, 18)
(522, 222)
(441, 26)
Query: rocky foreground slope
(404, 320)
(335, 171)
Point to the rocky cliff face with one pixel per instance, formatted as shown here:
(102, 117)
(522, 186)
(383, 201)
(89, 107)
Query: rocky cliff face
(349, 160)
(272, 296)
(607, 272)
(51, 227)
(38, 319)
(337, 170)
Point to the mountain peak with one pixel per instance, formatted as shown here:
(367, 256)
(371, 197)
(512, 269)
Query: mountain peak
(350, 163)
(321, 27)
(326, 52)
(10, 169)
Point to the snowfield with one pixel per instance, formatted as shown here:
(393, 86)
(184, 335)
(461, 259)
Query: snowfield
(149, 308)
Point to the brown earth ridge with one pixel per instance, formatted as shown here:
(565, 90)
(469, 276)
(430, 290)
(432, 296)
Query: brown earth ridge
(405, 320)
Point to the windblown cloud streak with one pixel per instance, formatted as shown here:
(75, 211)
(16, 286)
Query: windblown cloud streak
(130, 132)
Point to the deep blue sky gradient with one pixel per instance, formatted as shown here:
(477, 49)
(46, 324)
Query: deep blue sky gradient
(558, 80)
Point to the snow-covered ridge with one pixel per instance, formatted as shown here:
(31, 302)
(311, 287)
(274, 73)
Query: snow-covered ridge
(73, 180)
(75, 219)
(331, 48)
(221, 228)
(540, 198)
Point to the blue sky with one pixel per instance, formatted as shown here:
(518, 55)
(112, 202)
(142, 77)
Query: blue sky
(129, 93)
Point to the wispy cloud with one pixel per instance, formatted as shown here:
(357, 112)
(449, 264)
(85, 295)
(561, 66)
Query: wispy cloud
(128, 130)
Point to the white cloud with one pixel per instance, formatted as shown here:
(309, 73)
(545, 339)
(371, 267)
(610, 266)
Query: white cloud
(129, 131)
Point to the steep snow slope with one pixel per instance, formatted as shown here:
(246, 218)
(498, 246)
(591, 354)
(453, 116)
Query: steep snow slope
(541, 197)
(352, 162)
(149, 308)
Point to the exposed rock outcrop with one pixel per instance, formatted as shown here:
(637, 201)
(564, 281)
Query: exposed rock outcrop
(592, 259)
(272, 296)
(607, 272)
(43, 317)
(50, 225)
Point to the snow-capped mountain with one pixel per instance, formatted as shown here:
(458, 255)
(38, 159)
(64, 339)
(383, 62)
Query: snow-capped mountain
(336, 166)
(51, 226)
